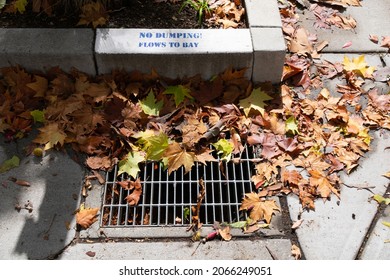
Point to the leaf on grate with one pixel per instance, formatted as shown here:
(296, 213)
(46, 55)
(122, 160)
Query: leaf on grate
(129, 164)
(86, 217)
(225, 148)
(178, 157)
(136, 187)
(259, 209)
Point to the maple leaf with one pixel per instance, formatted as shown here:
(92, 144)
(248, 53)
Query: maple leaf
(178, 157)
(40, 86)
(291, 177)
(359, 66)
(136, 187)
(150, 106)
(255, 101)
(324, 186)
(130, 164)
(225, 148)
(157, 144)
(93, 13)
(225, 233)
(179, 93)
(259, 209)
(50, 135)
(205, 156)
(292, 125)
(103, 163)
(86, 217)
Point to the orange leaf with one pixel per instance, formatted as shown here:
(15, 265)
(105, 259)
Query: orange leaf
(259, 210)
(86, 217)
(324, 186)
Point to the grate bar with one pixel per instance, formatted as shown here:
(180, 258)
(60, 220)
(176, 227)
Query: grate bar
(165, 197)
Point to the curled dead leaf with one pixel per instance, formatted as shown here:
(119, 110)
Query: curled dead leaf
(296, 252)
(297, 224)
(86, 217)
(225, 233)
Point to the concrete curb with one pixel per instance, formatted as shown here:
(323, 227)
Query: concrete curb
(172, 53)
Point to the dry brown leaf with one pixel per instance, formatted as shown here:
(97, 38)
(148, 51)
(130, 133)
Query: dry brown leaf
(86, 217)
(385, 42)
(296, 252)
(259, 209)
(225, 233)
(297, 224)
(323, 184)
(136, 187)
(178, 157)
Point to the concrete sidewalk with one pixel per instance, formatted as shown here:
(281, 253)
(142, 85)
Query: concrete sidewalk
(347, 229)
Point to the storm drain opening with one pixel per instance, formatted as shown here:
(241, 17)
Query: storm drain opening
(166, 200)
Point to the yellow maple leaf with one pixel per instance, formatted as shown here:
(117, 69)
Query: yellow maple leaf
(359, 66)
(178, 157)
(50, 135)
(255, 101)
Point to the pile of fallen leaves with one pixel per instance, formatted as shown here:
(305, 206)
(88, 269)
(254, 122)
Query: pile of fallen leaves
(217, 14)
(306, 134)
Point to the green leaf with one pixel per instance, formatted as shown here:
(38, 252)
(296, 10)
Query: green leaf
(129, 164)
(186, 213)
(153, 144)
(224, 148)
(292, 126)
(9, 164)
(150, 106)
(386, 223)
(255, 101)
(38, 116)
(381, 199)
(179, 93)
(240, 224)
(21, 5)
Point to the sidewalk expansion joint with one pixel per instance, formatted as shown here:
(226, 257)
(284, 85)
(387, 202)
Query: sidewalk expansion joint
(379, 213)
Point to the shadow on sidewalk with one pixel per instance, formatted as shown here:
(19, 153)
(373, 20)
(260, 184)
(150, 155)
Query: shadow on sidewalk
(48, 223)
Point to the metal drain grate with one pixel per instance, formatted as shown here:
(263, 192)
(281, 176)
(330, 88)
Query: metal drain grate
(167, 200)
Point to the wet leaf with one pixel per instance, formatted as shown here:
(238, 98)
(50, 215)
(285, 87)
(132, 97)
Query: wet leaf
(9, 164)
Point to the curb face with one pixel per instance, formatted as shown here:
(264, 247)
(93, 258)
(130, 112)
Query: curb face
(172, 53)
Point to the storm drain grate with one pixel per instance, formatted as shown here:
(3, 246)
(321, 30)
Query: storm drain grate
(167, 199)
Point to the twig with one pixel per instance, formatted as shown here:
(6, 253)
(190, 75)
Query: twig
(273, 256)
(361, 187)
